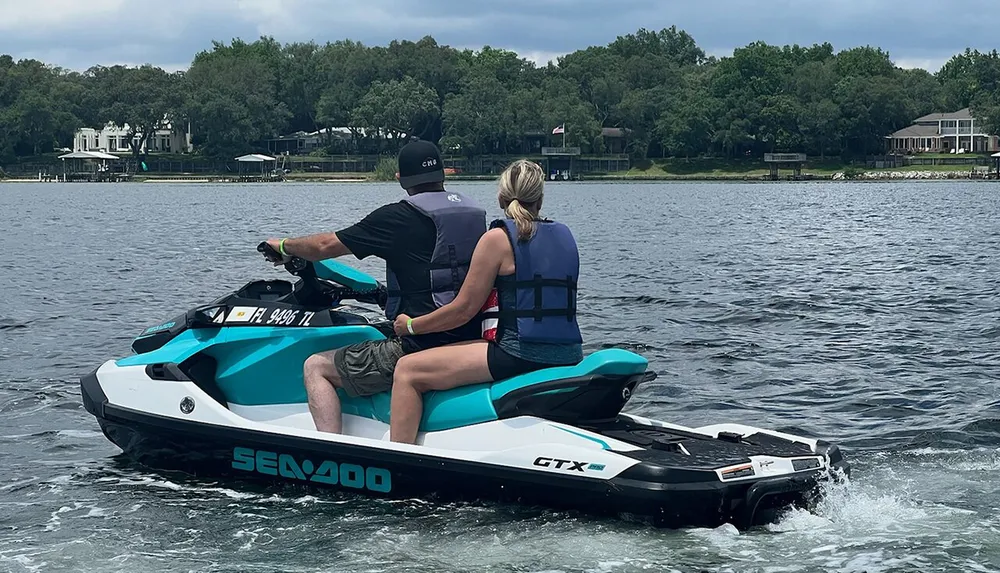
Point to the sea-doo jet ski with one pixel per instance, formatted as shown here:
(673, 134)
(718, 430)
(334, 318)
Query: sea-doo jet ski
(218, 392)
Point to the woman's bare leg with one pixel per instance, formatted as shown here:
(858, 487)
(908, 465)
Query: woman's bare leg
(440, 368)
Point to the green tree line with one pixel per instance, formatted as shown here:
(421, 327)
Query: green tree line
(670, 98)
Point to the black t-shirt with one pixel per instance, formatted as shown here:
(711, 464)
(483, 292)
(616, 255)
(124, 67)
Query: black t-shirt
(405, 238)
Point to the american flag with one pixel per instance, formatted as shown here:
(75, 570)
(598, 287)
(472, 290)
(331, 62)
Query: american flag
(492, 304)
(560, 129)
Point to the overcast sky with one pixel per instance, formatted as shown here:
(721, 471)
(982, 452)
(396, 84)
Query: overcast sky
(76, 34)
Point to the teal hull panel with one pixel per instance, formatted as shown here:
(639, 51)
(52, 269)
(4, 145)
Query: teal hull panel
(350, 277)
(183, 346)
(259, 365)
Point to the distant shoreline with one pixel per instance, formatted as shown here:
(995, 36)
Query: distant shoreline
(697, 170)
(735, 178)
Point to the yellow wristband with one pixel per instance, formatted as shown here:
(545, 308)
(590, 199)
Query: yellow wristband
(409, 326)
(281, 247)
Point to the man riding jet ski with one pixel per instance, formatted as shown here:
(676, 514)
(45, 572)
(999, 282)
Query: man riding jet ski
(219, 391)
(427, 243)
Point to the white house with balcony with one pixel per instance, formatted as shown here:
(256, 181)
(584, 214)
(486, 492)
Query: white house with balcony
(115, 139)
(955, 132)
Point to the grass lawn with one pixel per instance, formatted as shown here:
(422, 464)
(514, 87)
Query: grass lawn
(713, 168)
(965, 168)
(717, 167)
(949, 155)
(308, 175)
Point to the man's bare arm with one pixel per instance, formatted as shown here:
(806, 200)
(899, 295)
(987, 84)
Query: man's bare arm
(312, 247)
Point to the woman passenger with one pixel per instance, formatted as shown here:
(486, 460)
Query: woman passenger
(534, 265)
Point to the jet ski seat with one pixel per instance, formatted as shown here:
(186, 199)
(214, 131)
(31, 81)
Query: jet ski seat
(490, 401)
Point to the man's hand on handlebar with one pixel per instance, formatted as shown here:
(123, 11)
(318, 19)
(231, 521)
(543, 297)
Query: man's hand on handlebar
(271, 251)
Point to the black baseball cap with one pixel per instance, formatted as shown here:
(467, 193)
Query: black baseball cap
(419, 163)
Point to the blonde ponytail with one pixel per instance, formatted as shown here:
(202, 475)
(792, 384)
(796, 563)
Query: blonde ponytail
(523, 218)
(521, 186)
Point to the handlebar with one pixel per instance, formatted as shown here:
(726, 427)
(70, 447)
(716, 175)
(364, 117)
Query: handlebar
(293, 265)
(305, 271)
(378, 297)
(269, 253)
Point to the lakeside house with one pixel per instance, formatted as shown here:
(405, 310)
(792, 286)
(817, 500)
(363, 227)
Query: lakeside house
(955, 132)
(303, 142)
(349, 153)
(615, 139)
(115, 139)
(341, 139)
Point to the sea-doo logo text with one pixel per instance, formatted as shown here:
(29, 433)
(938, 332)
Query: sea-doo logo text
(286, 466)
(159, 328)
(454, 198)
(558, 464)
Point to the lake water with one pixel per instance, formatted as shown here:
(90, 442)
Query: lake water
(866, 314)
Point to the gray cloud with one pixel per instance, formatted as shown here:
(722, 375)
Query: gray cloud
(76, 35)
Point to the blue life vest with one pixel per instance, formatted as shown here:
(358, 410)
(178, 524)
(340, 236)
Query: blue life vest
(460, 223)
(544, 284)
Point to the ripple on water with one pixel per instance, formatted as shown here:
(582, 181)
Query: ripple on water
(864, 314)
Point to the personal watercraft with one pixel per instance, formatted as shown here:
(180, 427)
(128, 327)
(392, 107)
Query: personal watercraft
(218, 392)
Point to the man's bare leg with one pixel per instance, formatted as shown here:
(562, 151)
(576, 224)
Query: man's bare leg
(321, 381)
